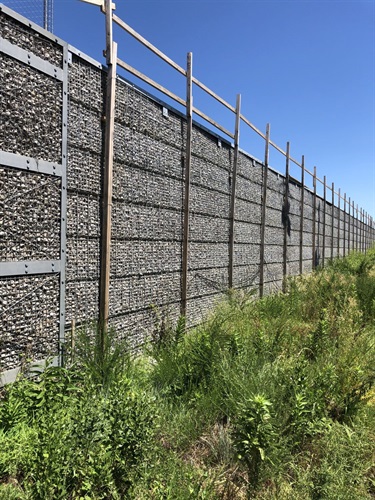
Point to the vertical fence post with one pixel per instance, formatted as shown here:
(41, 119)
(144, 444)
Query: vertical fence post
(353, 226)
(356, 229)
(263, 218)
(111, 58)
(344, 249)
(233, 194)
(332, 218)
(286, 221)
(366, 232)
(302, 208)
(324, 219)
(363, 230)
(349, 222)
(338, 223)
(189, 131)
(314, 224)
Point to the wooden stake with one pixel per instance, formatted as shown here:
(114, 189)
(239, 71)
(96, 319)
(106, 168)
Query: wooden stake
(314, 259)
(344, 224)
(233, 194)
(338, 224)
(349, 223)
(263, 217)
(111, 56)
(324, 219)
(332, 218)
(286, 221)
(302, 209)
(189, 132)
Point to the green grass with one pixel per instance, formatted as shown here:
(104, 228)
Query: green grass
(267, 399)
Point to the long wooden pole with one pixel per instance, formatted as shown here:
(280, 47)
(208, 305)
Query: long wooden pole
(324, 219)
(189, 132)
(344, 224)
(314, 250)
(338, 224)
(286, 222)
(302, 212)
(233, 193)
(332, 218)
(263, 217)
(356, 228)
(111, 58)
(349, 223)
(353, 226)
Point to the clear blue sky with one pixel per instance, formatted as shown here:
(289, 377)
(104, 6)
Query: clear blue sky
(306, 67)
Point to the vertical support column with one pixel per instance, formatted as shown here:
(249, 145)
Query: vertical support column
(338, 224)
(314, 223)
(356, 229)
(344, 224)
(189, 132)
(233, 194)
(286, 222)
(353, 226)
(332, 218)
(349, 222)
(263, 219)
(324, 219)
(111, 59)
(64, 161)
(302, 212)
(361, 230)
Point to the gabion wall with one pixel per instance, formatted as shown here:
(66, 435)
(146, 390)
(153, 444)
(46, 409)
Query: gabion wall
(31, 126)
(148, 194)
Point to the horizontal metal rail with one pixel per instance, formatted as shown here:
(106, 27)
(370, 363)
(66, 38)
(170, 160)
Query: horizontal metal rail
(30, 164)
(18, 268)
(30, 59)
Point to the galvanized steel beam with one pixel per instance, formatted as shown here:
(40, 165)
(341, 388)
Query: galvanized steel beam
(19, 162)
(30, 59)
(25, 268)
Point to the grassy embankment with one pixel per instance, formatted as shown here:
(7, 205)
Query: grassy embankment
(267, 399)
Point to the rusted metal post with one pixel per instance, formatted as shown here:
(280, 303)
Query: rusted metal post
(344, 224)
(314, 249)
(263, 217)
(324, 219)
(332, 218)
(286, 221)
(233, 194)
(302, 212)
(189, 132)
(111, 58)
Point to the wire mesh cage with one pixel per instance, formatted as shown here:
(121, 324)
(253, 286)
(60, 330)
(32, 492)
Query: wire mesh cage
(38, 11)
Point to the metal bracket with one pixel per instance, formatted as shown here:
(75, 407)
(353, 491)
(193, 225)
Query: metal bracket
(30, 164)
(30, 59)
(29, 267)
